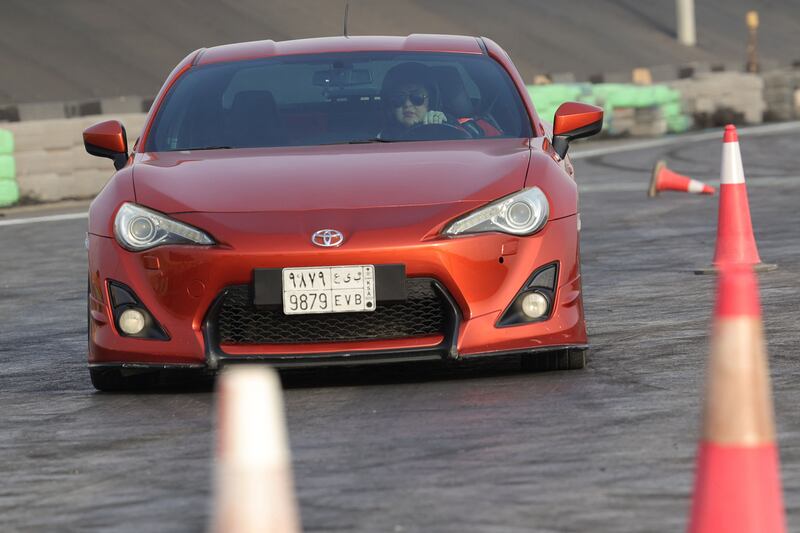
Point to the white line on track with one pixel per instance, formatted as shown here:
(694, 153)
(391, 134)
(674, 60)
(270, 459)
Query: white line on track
(49, 218)
(618, 186)
(768, 129)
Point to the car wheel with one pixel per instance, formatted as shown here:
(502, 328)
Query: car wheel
(112, 380)
(566, 359)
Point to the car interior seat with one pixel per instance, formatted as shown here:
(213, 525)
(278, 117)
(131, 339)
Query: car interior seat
(453, 92)
(253, 121)
(456, 103)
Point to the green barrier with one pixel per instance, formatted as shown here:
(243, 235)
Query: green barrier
(679, 124)
(623, 95)
(547, 98)
(9, 193)
(674, 109)
(9, 190)
(6, 142)
(8, 169)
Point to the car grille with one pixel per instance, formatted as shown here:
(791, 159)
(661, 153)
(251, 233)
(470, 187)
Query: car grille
(424, 312)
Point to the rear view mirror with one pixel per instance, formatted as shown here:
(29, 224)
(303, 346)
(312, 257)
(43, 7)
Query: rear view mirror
(342, 77)
(575, 120)
(107, 139)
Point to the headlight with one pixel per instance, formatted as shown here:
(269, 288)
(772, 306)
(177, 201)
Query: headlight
(522, 213)
(138, 228)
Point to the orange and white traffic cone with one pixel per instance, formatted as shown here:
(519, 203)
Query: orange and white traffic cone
(737, 486)
(664, 179)
(254, 485)
(736, 243)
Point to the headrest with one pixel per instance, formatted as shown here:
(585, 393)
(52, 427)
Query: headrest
(259, 103)
(254, 120)
(453, 92)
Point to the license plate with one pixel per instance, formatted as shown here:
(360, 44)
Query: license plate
(335, 289)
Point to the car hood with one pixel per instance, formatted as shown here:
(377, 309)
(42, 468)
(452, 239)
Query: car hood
(331, 177)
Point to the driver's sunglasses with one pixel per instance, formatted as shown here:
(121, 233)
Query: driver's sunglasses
(399, 99)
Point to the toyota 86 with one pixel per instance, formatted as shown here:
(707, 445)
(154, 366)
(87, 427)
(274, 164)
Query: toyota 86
(342, 200)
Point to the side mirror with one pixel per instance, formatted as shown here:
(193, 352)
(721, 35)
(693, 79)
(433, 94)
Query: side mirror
(575, 120)
(107, 139)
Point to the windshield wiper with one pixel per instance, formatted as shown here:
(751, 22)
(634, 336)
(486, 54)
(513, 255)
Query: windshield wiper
(371, 140)
(202, 148)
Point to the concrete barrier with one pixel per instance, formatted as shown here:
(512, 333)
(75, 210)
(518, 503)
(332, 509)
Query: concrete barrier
(74, 108)
(780, 90)
(717, 98)
(51, 162)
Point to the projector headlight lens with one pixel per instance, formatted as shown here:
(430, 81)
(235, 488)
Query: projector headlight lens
(522, 213)
(519, 214)
(142, 229)
(138, 228)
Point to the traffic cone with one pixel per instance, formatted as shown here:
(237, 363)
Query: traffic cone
(735, 241)
(664, 179)
(737, 486)
(254, 486)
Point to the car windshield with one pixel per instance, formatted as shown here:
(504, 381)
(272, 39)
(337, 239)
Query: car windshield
(339, 98)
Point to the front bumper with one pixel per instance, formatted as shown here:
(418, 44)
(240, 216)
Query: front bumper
(478, 275)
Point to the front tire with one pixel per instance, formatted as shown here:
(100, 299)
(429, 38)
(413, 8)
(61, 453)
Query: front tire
(565, 359)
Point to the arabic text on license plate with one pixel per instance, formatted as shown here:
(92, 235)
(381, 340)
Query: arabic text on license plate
(336, 289)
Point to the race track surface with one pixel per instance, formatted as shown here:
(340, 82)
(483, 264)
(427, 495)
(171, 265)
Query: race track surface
(418, 448)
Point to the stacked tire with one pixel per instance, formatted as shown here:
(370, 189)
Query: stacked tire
(9, 190)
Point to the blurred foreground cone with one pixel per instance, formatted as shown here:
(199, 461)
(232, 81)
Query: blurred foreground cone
(254, 486)
(737, 486)
(666, 180)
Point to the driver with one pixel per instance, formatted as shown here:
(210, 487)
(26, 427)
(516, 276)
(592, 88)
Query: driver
(409, 97)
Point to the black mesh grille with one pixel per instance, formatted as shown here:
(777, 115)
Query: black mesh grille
(423, 313)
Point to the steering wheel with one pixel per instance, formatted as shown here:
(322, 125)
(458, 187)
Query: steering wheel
(435, 132)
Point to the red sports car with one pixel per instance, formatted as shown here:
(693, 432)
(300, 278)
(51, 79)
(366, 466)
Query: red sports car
(337, 201)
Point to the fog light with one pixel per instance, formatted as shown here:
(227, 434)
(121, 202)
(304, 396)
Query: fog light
(534, 305)
(131, 321)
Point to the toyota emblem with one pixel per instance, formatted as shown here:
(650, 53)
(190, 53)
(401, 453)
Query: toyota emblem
(327, 238)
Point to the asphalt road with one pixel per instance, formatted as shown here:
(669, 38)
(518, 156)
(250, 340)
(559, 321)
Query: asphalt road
(419, 448)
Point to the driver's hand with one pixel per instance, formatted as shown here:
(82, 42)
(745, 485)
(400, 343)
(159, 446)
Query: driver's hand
(434, 117)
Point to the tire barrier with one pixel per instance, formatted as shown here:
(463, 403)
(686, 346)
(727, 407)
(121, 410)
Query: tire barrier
(782, 94)
(630, 110)
(9, 190)
(693, 97)
(714, 99)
